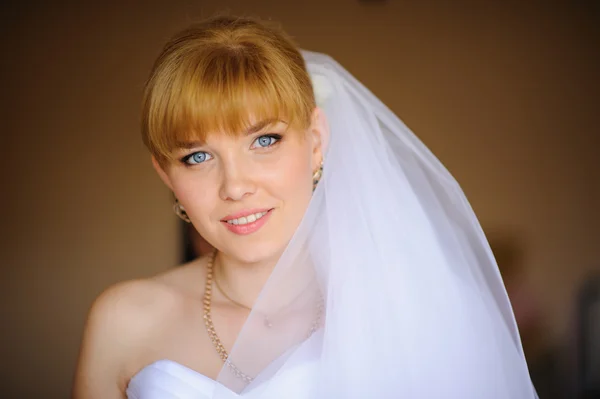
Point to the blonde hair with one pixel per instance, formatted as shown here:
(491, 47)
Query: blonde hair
(216, 75)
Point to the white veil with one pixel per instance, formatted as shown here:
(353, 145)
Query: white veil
(392, 268)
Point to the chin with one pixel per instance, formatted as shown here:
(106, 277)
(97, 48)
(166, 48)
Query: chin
(256, 253)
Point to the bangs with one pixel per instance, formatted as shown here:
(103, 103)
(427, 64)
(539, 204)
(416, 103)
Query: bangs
(223, 91)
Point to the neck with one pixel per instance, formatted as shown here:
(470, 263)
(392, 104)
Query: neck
(243, 281)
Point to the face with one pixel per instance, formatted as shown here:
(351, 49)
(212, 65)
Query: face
(247, 194)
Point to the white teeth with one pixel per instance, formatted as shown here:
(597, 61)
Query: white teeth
(247, 219)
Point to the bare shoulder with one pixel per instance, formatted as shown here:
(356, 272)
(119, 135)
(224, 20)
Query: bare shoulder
(124, 320)
(139, 304)
(115, 319)
(187, 279)
(128, 309)
(128, 306)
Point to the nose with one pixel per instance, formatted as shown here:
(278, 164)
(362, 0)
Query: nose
(236, 181)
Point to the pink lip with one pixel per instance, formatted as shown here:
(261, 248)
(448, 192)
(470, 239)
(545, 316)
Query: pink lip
(250, 227)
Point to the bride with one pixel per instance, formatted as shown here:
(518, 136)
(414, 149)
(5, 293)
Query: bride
(347, 261)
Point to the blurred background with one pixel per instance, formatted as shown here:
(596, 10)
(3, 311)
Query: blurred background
(505, 93)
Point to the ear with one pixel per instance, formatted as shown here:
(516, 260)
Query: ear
(161, 172)
(319, 132)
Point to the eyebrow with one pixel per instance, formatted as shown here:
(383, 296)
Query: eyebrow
(255, 128)
(186, 145)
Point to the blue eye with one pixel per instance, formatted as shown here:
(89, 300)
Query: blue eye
(266, 141)
(196, 158)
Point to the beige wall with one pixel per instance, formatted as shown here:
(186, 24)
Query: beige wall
(506, 96)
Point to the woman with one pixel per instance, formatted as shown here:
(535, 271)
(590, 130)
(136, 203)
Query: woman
(347, 261)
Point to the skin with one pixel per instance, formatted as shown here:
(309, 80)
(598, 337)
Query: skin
(135, 323)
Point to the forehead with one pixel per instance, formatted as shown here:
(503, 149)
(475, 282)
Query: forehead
(194, 103)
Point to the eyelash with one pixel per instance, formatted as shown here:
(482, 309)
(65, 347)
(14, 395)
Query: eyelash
(186, 160)
(276, 137)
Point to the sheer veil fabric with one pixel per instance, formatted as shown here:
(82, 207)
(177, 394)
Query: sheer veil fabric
(392, 267)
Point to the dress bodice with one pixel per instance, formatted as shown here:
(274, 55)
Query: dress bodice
(166, 379)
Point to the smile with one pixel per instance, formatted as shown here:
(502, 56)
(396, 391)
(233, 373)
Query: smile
(248, 223)
(247, 219)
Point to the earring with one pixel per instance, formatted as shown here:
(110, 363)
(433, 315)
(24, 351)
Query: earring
(317, 176)
(180, 211)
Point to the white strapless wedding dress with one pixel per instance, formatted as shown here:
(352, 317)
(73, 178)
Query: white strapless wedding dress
(166, 379)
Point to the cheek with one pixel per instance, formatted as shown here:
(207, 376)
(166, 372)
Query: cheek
(193, 193)
(294, 175)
